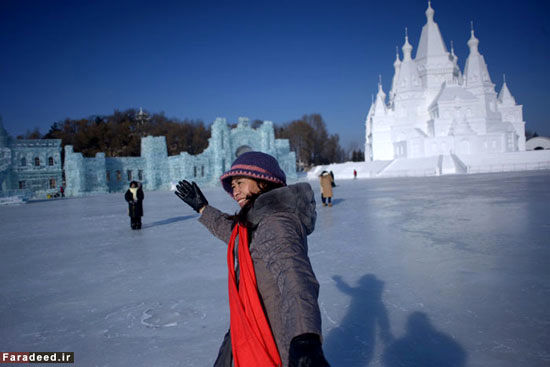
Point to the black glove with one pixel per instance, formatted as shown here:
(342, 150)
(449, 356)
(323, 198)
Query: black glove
(191, 194)
(305, 351)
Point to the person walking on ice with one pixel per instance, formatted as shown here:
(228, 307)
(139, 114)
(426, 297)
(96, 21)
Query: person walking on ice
(134, 196)
(274, 313)
(326, 182)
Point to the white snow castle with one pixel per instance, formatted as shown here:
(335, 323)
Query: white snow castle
(435, 110)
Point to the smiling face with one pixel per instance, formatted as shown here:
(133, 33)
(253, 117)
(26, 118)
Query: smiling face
(243, 189)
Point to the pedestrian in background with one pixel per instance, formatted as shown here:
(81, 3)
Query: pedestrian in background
(326, 181)
(134, 196)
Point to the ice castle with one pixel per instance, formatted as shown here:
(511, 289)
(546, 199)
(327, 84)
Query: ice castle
(433, 109)
(158, 171)
(29, 167)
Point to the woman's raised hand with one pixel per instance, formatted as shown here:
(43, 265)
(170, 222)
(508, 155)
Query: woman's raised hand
(191, 194)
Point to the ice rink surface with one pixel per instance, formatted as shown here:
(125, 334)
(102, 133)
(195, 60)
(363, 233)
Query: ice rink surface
(438, 271)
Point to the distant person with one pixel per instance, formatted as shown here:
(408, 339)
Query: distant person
(326, 182)
(134, 196)
(62, 191)
(274, 313)
(354, 174)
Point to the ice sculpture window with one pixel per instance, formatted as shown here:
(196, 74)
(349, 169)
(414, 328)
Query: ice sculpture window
(52, 183)
(50, 161)
(22, 185)
(118, 175)
(129, 174)
(37, 161)
(108, 176)
(140, 175)
(23, 161)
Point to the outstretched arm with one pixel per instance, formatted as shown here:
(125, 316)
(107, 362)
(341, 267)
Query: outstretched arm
(218, 223)
(342, 285)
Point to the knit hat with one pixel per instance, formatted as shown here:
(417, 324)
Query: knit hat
(256, 165)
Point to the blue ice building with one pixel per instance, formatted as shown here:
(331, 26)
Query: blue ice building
(158, 171)
(29, 167)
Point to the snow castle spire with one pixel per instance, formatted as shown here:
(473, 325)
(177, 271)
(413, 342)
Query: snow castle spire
(434, 62)
(430, 12)
(505, 97)
(407, 78)
(396, 67)
(473, 42)
(407, 48)
(431, 42)
(397, 61)
(380, 103)
(476, 73)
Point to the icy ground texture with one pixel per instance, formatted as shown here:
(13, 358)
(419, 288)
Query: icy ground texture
(439, 271)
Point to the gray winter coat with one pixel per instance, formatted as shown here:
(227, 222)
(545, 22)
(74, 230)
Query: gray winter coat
(282, 220)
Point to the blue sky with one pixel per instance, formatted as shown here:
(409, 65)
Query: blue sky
(272, 60)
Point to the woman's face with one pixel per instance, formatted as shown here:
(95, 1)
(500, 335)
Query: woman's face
(243, 188)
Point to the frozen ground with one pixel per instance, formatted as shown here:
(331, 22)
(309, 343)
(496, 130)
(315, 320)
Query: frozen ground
(439, 271)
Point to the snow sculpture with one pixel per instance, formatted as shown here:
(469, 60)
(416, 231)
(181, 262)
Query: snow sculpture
(156, 170)
(433, 109)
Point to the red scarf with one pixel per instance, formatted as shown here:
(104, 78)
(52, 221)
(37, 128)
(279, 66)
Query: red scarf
(251, 338)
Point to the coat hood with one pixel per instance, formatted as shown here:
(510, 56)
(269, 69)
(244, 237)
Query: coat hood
(298, 199)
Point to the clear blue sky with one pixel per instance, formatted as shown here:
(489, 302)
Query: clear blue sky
(272, 60)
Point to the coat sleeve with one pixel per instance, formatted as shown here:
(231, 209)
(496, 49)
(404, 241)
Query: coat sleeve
(283, 243)
(218, 223)
(128, 196)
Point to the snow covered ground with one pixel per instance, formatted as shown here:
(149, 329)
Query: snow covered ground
(436, 271)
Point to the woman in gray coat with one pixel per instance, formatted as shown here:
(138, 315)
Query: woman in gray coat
(278, 218)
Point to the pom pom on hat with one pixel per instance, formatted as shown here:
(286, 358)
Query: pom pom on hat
(255, 165)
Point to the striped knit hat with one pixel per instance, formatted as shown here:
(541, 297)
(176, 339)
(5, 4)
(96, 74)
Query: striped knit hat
(256, 165)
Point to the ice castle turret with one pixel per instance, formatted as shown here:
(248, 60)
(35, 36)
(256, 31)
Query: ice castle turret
(155, 155)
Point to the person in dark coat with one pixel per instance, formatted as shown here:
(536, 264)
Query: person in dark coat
(134, 196)
(277, 219)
